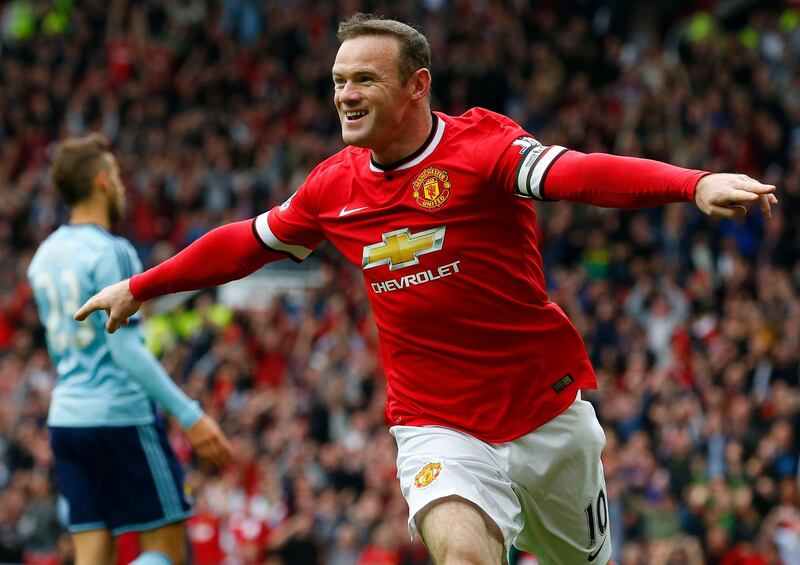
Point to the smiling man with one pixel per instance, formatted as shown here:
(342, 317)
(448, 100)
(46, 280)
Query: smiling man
(495, 445)
(366, 76)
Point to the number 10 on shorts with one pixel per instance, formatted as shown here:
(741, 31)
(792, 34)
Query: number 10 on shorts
(596, 517)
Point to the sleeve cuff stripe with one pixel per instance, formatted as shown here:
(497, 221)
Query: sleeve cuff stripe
(561, 151)
(540, 168)
(264, 233)
(526, 164)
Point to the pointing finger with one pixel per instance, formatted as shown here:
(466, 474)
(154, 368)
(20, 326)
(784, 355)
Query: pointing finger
(766, 209)
(89, 307)
(738, 197)
(113, 324)
(756, 187)
(764, 203)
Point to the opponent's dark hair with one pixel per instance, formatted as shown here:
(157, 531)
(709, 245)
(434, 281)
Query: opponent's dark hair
(75, 164)
(415, 51)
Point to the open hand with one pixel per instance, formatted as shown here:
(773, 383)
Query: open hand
(115, 299)
(728, 195)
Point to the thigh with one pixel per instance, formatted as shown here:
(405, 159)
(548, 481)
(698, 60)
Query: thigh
(142, 481)
(169, 540)
(76, 468)
(560, 482)
(455, 530)
(94, 547)
(435, 463)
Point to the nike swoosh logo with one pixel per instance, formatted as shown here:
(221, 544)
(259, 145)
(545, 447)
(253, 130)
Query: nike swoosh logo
(593, 556)
(346, 212)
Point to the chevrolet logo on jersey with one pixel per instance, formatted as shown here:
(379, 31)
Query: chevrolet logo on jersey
(401, 248)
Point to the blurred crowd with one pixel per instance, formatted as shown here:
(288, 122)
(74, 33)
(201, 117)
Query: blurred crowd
(218, 110)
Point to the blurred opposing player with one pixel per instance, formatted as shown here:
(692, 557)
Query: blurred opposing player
(495, 445)
(114, 464)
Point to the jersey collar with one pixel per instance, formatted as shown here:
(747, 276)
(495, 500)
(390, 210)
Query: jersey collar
(88, 225)
(437, 131)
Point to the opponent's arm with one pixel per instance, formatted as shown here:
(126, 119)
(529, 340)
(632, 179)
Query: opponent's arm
(224, 254)
(130, 354)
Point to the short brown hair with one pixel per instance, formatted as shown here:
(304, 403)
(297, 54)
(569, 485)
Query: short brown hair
(75, 165)
(415, 51)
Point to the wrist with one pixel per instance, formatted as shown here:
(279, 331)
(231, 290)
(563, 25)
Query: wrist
(693, 190)
(135, 287)
(189, 415)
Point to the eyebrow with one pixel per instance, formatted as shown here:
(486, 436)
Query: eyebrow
(355, 73)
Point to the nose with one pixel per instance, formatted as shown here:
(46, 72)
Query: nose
(349, 93)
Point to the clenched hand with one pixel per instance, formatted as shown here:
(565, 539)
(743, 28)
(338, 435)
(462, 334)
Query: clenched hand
(209, 442)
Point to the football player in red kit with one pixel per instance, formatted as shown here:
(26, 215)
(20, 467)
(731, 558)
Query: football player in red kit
(495, 445)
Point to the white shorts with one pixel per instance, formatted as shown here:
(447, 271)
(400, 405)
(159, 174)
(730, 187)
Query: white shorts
(545, 490)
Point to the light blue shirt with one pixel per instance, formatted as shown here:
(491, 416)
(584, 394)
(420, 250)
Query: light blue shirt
(103, 379)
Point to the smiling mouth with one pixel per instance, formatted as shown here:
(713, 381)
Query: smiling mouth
(355, 115)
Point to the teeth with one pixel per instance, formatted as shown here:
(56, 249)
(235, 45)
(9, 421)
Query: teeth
(357, 114)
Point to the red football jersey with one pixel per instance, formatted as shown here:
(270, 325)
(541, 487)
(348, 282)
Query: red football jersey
(202, 529)
(447, 247)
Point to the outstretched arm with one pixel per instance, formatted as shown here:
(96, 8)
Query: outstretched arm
(629, 182)
(224, 254)
(553, 172)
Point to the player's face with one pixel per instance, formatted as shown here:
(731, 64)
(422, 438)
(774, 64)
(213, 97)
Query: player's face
(368, 93)
(116, 194)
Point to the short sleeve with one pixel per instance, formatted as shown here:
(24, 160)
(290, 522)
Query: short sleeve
(293, 228)
(515, 160)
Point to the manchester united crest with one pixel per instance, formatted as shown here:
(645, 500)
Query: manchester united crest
(431, 188)
(427, 475)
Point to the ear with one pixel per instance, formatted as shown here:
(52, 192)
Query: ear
(420, 83)
(102, 180)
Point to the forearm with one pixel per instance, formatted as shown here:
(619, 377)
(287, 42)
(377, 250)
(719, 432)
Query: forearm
(634, 305)
(618, 182)
(130, 354)
(222, 255)
(679, 304)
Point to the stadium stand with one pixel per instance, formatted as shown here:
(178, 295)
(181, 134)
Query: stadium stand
(217, 111)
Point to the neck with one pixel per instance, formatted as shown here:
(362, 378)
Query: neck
(87, 214)
(411, 136)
